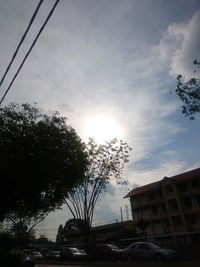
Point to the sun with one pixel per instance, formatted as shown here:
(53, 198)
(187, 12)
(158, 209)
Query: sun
(102, 128)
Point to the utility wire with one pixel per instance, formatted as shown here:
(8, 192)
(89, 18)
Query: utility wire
(27, 54)
(21, 41)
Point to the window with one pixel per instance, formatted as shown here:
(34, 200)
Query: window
(164, 211)
(173, 204)
(143, 246)
(187, 203)
(154, 210)
(177, 221)
(166, 223)
(160, 194)
(183, 187)
(195, 184)
(166, 226)
(192, 219)
(198, 200)
(169, 188)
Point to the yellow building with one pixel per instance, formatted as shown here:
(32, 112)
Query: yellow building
(169, 207)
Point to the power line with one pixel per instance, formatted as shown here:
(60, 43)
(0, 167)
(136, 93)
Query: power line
(27, 54)
(21, 41)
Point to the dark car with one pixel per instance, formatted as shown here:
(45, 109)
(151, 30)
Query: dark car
(52, 255)
(72, 253)
(105, 252)
(34, 255)
(147, 251)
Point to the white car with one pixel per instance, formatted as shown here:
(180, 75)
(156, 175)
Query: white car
(147, 251)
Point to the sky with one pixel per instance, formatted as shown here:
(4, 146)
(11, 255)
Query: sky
(110, 67)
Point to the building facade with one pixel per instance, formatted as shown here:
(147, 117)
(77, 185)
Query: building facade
(168, 207)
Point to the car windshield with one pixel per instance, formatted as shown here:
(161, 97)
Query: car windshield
(153, 246)
(36, 253)
(113, 246)
(74, 250)
(54, 252)
(133, 245)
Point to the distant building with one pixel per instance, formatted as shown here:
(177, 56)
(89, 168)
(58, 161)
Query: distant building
(169, 208)
(103, 233)
(114, 231)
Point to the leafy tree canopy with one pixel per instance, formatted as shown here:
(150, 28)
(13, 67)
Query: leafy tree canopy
(41, 159)
(189, 93)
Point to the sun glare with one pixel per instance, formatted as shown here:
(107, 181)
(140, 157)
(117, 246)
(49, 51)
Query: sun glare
(102, 129)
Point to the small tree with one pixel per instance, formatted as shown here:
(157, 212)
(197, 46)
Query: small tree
(189, 93)
(71, 226)
(21, 233)
(106, 163)
(41, 160)
(60, 237)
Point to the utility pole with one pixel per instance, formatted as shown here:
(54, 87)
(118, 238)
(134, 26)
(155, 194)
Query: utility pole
(127, 215)
(121, 214)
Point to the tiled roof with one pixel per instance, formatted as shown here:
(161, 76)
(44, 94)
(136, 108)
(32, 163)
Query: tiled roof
(176, 178)
(143, 188)
(187, 175)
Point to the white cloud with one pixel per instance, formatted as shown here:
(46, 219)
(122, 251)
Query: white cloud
(168, 168)
(181, 45)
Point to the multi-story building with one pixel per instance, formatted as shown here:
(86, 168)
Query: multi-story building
(168, 207)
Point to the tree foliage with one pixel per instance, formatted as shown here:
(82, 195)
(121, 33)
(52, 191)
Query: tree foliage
(21, 233)
(189, 93)
(41, 160)
(71, 226)
(106, 163)
(60, 237)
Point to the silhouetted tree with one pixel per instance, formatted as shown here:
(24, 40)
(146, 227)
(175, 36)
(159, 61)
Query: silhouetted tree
(41, 160)
(106, 163)
(21, 233)
(60, 237)
(189, 93)
(71, 226)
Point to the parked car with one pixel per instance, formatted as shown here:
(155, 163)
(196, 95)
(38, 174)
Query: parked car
(72, 253)
(105, 252)
(52, 255)
(147, 251)
(35, 255)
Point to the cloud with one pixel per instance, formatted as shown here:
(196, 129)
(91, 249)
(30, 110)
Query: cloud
(180, 45)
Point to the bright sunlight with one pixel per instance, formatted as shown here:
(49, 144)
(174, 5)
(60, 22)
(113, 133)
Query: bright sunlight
(102, 129)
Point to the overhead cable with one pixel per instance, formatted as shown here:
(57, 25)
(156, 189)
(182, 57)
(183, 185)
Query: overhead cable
(27, 54)
(21, 41)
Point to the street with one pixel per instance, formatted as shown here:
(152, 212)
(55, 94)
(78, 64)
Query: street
(128, 264)
(57, 265)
